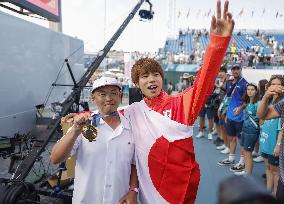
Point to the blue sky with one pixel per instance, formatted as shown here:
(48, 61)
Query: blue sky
(85, 20)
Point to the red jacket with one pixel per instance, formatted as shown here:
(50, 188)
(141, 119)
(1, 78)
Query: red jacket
(174, 173)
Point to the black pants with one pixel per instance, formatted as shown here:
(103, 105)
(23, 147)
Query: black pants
(280, 192)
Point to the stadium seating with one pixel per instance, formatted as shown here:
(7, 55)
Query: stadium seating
(279, 38)
(184, 43)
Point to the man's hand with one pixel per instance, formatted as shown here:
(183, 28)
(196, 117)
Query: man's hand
(62, 149)
(237, 110)
(274, 90)
(79, 120)
(222, 25)
(68, 117)
(129, 198)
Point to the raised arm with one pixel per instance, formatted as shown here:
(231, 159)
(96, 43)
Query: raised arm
(62, 149)
(267, 112)
(221, 30)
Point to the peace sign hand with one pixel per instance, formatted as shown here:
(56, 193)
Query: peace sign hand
(222, 25)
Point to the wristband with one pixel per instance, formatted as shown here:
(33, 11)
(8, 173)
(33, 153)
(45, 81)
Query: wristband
(278, 143)
(133, 189)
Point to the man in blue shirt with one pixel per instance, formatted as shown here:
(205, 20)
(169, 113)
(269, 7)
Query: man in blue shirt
(234, 119)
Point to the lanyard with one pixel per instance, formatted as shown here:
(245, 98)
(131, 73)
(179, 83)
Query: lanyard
(232, 93)
(96, 117)
(256, 125)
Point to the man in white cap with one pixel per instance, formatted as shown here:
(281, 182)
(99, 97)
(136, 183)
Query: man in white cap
(104, 171)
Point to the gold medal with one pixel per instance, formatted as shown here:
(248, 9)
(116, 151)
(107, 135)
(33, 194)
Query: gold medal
(90, 132)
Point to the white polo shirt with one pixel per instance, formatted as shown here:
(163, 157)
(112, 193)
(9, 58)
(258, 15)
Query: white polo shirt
(103, 166)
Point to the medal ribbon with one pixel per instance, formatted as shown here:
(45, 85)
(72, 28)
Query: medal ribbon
(96, 117)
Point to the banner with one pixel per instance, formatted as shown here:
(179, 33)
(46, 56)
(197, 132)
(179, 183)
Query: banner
(49, 9)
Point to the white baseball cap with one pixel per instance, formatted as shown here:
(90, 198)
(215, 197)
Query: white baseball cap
(106, 81)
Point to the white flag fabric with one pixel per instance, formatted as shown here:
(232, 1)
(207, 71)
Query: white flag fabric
(149, 126)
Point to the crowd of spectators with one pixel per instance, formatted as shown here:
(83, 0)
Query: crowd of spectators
(238, 114)
(270, 54)
(248, 115)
